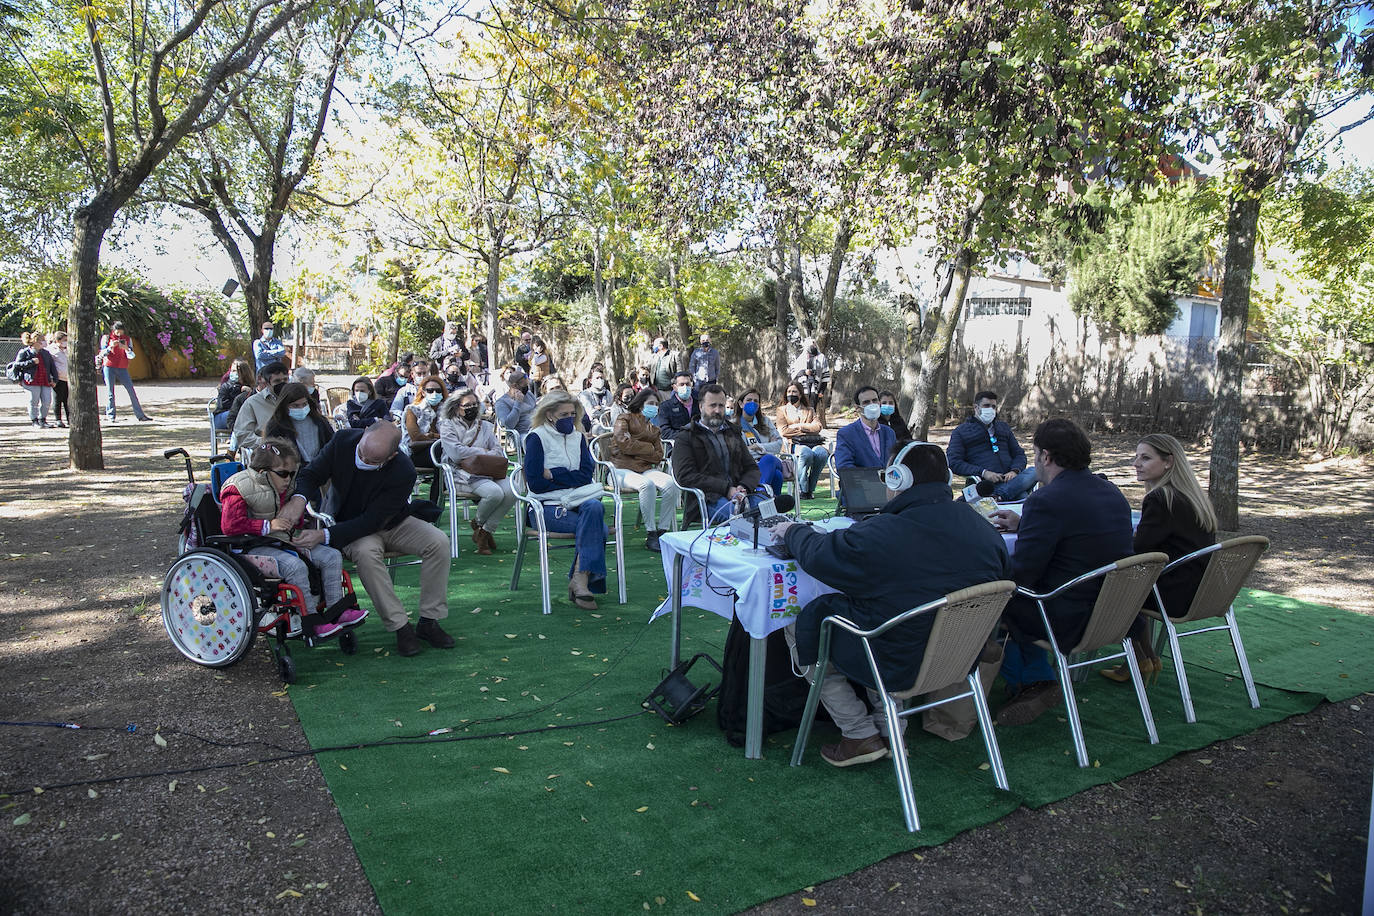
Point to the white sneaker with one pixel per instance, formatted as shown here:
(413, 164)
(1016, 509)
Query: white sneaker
(294, 629)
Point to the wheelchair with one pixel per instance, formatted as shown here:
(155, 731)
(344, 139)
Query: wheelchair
(216, 598)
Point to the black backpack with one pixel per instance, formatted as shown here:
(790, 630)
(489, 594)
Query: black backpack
(784, 694)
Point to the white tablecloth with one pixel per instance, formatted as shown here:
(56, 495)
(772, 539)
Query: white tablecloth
(771, 592)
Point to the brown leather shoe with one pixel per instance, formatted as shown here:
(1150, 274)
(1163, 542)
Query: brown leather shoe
(1031, 703)
(485, 542)
(407, 643)
(430, 631)
(852, 751)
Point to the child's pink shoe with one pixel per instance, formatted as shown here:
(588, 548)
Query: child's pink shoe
(352, 617)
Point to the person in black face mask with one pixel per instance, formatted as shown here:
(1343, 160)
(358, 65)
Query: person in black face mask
(479, 464)
(258, 408)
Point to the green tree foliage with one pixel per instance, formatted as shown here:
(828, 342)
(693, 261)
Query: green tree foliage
(1129, 275)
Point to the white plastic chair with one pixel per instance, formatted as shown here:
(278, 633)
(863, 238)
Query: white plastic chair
(1229, 565)
(964, 620)
(530, 507)
(1125, 585)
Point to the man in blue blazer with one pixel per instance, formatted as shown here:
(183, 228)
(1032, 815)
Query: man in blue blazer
(1075, 522)
(865, 442)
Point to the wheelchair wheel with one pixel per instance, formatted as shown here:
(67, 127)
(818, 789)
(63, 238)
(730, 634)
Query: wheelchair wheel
(286, 667)
(209, 608)
(348, 642)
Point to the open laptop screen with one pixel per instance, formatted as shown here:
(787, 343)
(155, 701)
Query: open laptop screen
(864, 490)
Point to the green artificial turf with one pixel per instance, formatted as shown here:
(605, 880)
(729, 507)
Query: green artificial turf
(572, 813)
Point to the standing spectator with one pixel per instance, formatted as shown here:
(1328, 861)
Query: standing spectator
(541, 363)
(636, 451)
(891, 416)
(704, 366)
(58, 349)
(762, 438)
(449, 343)
(679, 409)
(37, 374)
(597, 400)
(479, 359)
(985, 448)
(258, 408)
(115, 352)
(365, 408)
(522, 352)
(470, 441)
(239, 380)
(664, 369)
(268, 348)
(812, 370)
(515, 408)
(559, 473)
(798, 424)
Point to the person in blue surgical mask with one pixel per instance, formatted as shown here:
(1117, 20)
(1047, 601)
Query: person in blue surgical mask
(636, 450)
(559, 473)
(763, 439)
(297, 418)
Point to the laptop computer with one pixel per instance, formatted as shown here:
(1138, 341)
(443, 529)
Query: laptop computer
(862, 491)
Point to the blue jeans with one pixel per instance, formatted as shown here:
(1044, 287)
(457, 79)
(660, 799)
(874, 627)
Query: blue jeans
(588, 523)
(1025, 664)
(810, 460)
(1016, 488)
(222, 420)
(121, 376)
(770, 472)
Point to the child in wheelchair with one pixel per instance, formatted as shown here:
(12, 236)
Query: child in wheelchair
(249, 501)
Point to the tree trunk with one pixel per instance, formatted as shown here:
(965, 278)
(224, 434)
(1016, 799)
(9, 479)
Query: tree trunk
(602, 290)
(498, 350)
(684, 328)
(1223, 484)
(84, 444)
(844, 233)
(936, 354)
(780, 291)
(796, 292)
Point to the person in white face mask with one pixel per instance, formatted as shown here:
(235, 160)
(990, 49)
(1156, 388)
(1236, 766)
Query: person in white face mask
(365, 407)
(863, 443)
(597, 399)
(984, 448)
(679, 409)
(421, 425)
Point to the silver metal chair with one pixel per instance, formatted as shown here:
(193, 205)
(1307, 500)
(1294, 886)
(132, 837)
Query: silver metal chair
(1229, 565)
(530, 507)
(1125, 585)
(963, 622)
(454, 494)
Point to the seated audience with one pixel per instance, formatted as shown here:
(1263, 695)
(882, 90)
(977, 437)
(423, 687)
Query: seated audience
(763, 440)
(636, 451)
(984, 447)
(559, 471)
(515, 408)
(798, 424)
(477, 458)
(678, 409)
(892, 417)
(238, 381)
(365, 407)
(297, 418)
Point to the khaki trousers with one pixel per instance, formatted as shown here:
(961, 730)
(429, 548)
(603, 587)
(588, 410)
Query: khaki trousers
(414, 537)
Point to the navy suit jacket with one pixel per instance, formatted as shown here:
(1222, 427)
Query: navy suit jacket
(853, 450)
(675, 416)
(369, 501)
(1072, 525)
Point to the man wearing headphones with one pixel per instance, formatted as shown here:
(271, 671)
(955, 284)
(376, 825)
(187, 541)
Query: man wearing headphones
(921, 546)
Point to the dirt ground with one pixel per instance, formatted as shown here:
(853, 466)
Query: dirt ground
(1276, 822)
